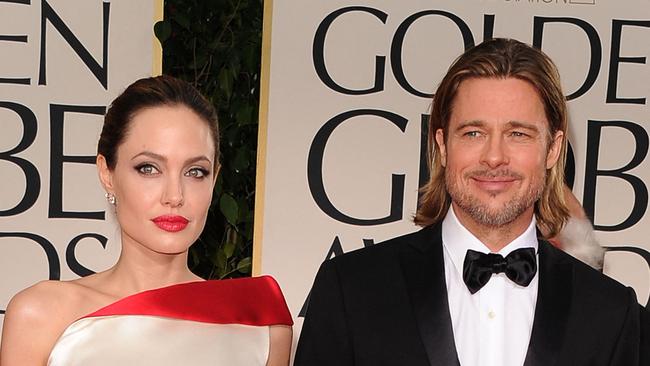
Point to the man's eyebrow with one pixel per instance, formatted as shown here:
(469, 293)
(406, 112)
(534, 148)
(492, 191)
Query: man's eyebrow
(525, 125)
(472, 123)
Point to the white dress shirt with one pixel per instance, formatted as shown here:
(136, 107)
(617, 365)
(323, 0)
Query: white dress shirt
(493, 326)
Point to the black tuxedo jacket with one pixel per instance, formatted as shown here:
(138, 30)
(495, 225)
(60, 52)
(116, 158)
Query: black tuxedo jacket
(387, 305)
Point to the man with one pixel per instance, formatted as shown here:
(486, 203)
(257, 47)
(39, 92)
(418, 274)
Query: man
(436, 297)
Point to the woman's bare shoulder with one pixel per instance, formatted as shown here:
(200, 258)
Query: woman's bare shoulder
(41, 301)
(37, 316)
(34, 319)
(49, 305)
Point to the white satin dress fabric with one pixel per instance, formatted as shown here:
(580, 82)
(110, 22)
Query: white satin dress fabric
(141, 340)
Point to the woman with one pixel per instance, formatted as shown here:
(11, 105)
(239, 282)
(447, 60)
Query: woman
(157, 159)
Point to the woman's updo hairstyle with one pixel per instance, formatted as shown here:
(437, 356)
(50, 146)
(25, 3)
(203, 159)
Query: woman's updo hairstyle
(151, 92)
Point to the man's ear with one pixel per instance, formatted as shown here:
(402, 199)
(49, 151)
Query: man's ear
(105, 174)
(554, 149)
(440, 141)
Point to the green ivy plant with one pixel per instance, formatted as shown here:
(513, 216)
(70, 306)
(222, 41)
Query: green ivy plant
(215, 45)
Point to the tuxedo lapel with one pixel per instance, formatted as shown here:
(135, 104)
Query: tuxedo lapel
(423, 268)
(552, 309)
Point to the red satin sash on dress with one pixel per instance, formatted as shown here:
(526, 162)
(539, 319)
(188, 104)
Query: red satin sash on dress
(254, 301)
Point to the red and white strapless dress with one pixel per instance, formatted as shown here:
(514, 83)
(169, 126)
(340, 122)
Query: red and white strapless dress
(223, 322)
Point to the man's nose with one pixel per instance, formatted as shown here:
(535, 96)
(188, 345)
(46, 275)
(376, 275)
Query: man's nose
(494, 152)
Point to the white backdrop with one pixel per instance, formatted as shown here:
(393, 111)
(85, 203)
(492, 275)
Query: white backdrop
(343, 95)
(61, 64)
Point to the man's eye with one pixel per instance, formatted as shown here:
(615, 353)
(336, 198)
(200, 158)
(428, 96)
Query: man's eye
(147, 169)
(197, 173)
(472, 133)
(518, 134)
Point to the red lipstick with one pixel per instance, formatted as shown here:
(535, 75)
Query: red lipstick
(171, 223)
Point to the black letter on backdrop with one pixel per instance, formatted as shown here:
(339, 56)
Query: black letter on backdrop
(570, 167)
(636, 250)
(398, 43)
(592, 172)
(57, 159)
(424, 174)
(615, 59)
(100, 72)
(14, 38)
(71, 259)
(32, 179)
(315, 170)
(594, 43)
(335, 250)
(54, 266)
(318, 53)
(488, 26)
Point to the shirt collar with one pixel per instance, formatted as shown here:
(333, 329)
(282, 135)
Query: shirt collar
(456, 240)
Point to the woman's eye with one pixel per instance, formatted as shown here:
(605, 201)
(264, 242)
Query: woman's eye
(147, 169)
(197, 173)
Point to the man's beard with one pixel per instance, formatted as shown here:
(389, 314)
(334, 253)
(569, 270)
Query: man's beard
(481, 212)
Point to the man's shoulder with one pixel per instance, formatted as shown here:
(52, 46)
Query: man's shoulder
(370, 274)
(388, 249)
(589, 282)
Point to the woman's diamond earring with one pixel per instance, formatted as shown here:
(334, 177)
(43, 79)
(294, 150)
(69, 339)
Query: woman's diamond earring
(111, 198)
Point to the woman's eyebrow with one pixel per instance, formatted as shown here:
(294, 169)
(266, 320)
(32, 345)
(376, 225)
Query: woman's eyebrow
(160, 157)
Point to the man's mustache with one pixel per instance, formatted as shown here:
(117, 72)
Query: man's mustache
(494, 173)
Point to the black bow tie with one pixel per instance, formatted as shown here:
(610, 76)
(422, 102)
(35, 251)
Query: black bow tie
(520, 266)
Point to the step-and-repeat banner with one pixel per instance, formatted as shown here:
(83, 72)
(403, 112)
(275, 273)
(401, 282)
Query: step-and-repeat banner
(61, 63)
(346, 88)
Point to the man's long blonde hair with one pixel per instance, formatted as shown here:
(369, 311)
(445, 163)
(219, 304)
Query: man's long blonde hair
(499, 58)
